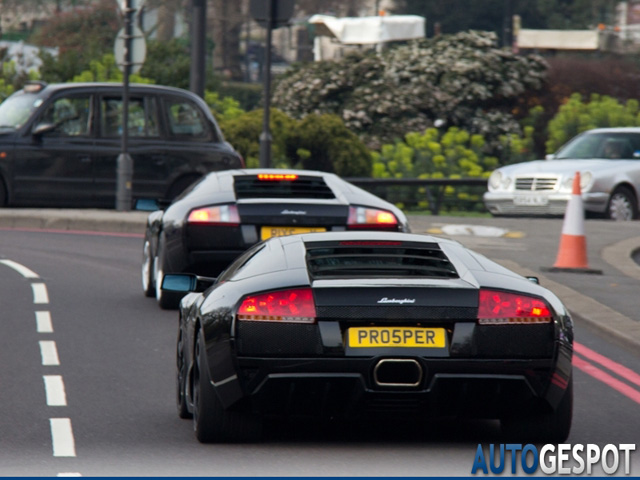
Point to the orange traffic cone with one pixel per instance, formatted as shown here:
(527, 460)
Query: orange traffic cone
(572, 253)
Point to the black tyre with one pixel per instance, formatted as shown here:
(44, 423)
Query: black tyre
(148, 274)
(211, 422)
(166, 300)
(3, 194)
(553, 427)
(623, 205)
(181, 379)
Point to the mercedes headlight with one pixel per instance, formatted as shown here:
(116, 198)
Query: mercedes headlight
(585, 182)
(498, 180)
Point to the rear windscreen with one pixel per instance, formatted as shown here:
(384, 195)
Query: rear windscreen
(377, 259)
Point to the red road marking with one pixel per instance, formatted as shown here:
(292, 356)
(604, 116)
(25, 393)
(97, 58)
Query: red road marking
(607, 379)
(609, 364)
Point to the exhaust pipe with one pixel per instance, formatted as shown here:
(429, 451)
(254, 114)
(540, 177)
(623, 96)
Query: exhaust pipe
(397, 372)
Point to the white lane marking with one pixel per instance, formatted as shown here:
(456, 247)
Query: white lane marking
(40, 294)
(64, 444)
(21, 269)
(43, 322)
(61, 431)
(54, 389)
(69, 474)
(49, 352)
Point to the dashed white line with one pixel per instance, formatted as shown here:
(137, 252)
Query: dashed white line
(43, 322)
(62, 437)
(21, 269)
(54, 389)
(61, 431)
(40, 294)
(49, 352)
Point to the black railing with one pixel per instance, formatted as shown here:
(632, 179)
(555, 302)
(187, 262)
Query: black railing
(466, 194)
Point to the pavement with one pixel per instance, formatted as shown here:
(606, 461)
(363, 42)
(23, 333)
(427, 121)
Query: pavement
(110, 221)
(606, 301)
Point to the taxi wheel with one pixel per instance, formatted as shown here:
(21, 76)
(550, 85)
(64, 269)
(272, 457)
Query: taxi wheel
(622, 205)
(3, 194)
(553, 427)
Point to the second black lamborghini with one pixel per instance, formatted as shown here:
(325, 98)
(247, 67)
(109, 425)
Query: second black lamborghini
(226, 212)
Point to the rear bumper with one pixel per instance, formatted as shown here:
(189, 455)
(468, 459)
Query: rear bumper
(483, 372)
(353, 387)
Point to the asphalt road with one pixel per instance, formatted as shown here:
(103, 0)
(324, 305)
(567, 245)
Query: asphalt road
(89, 387)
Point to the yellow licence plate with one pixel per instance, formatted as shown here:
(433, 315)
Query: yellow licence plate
(368, 337)
(268, 232)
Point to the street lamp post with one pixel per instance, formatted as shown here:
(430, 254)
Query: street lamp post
(125, 162)
(270, 14)
(198, 44)
(265, 136)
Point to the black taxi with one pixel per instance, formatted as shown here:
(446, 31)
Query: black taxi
(59, 143)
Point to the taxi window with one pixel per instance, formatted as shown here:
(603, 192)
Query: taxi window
(70, 116)
(143, 117)
(186, 121)
(17, 109)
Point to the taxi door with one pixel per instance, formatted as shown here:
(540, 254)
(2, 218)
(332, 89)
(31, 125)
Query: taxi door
(145, 146)
(52, 163)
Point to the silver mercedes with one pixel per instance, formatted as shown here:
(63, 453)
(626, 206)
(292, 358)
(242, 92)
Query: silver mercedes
(608, 160)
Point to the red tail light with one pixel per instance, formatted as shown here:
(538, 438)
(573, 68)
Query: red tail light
(277, 177)
(220, 214)
(294, 306)
(362, 217)
(502, 308)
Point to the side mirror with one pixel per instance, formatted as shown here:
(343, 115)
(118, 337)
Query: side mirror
(535, 280)
(550, 156)
(147, 205)
(151, 204)
(186, 282)
(42, 128)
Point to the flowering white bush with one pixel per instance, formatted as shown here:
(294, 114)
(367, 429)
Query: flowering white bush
(464, 80)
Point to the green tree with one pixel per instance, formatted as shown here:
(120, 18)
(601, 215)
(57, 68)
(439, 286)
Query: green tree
(243, 132)
(168, 63)
(576, 116)
(432, 154)
(11, 78)
(323, 142)
(317, 142)
(81, 34)
(106, 70)
(225, 108)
